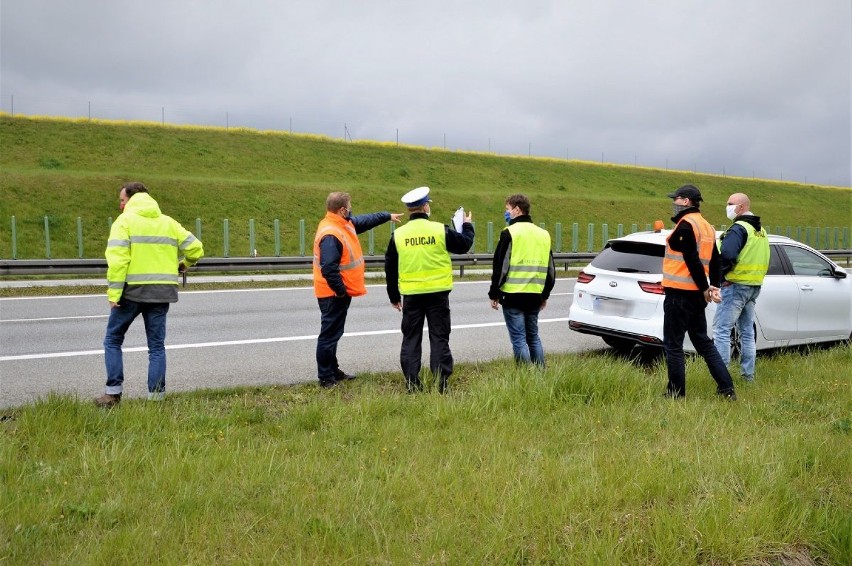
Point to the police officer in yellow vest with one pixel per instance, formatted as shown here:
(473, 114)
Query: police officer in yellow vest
(691, 258)
(418, 267)
(145, 252)
(339, 276)
(744, 248)
(522, 276)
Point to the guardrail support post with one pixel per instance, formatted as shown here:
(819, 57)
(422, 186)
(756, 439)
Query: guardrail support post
(575, 237)
(591, 237)
(225, 239)
(79, 238)
(371, 242)
(198, 228)
(619, 230)
(604, 234)
(634, 228)
(276, 228)
(302, 237)
(489, 228)
(47, 237)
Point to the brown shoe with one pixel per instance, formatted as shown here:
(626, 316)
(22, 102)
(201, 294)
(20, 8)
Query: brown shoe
(107, 400)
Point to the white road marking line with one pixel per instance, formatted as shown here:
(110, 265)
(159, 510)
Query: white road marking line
(244, 342)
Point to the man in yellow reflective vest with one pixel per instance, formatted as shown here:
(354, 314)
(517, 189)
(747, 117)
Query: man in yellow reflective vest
(418, 267)
(145, 252)
(744, 249)
(522, 276)
(691, 258)
(338, 276)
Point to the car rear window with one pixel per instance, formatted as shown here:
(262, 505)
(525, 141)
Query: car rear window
(631, 257)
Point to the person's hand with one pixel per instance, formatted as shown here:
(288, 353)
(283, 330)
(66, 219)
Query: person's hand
(113, 305)
(715, 295)
(543, 304)
(495, 305)
(396, 218)
(397, 306)
(468, 217)
(181, 268)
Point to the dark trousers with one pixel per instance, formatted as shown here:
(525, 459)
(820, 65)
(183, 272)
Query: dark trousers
(333, 310)
(684, 313)
(434, 308)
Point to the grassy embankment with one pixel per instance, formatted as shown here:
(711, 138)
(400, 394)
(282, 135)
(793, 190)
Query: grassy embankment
(67, 169)
(583, 463)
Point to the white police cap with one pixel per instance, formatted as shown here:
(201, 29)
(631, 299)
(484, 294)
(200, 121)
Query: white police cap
(416, 197)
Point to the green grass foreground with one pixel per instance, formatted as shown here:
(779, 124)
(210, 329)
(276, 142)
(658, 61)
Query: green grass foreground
(583, 463)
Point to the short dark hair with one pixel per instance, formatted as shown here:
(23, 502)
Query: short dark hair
(336, 201)
(521, 201)
(133, 187)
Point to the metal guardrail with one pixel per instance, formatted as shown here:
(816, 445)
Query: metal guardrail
(46, 267)
(43, 267)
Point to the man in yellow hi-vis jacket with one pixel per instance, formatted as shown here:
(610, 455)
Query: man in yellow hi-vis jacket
(145, 253)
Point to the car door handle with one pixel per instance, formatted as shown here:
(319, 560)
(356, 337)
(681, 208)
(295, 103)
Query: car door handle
(806, 288)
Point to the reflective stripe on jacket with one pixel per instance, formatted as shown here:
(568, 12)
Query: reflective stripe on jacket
(675, 271)
(529, 259)
(146, 246)
(424, 262)
(753, 260)
(351, 259)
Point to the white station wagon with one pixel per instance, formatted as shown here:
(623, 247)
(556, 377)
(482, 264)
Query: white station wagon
(806, 298)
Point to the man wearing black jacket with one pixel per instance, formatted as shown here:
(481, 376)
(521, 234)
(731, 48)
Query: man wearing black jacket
(691, 279)
(522, 276)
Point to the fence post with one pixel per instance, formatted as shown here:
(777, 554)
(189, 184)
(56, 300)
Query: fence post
(619, 230)
(302, 237)
(251, 238)
(826, 235)
(47, 237)
(604, 234)
(198, 228)
(473, 246)
(847, 245)
(14, 239)
(807, 235)
(591, 240)
(558, 237)
(634, 228)
(79, 238)
(490, 240)
(575, 236)
(276, 228)
(225, 238)
(371, 243)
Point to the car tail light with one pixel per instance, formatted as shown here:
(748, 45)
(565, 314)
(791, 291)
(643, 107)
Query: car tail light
(584, 277)
(653, 288)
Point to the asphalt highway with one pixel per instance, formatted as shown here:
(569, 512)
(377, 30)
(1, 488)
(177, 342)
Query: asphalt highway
(229, 338)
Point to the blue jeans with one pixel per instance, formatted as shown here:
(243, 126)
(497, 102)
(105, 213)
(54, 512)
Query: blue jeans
(120, 319)
(684, 313)
(737, 309)
(523, 333)
(333, 318)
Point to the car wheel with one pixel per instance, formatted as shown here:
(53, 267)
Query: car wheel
(620, 345)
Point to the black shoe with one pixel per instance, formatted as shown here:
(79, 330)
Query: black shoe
(729, 396)
(328, 384)
(343, 376)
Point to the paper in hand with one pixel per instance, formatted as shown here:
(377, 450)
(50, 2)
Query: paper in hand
(458, 219)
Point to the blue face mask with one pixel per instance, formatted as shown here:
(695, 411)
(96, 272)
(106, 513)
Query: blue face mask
(508, 216)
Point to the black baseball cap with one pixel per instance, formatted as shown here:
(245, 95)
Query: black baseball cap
(689, 191)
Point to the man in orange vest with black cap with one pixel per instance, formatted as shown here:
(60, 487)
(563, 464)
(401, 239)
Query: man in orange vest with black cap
(692, 275)
(339, 276)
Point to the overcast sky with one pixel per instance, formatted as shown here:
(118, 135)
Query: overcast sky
(741, 87)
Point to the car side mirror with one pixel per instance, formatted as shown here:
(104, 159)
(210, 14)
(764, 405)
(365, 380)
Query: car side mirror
(839, 273)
